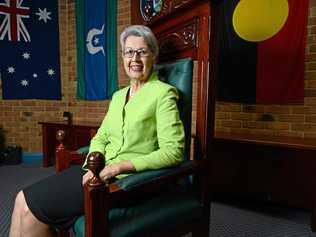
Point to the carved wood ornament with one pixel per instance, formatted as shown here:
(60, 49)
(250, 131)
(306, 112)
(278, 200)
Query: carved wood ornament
(179, 39)
(154, 9)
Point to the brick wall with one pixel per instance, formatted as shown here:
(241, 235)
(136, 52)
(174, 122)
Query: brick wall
(20, 118)
(278, 120)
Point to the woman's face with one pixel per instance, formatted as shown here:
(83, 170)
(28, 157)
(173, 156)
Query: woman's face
(138, 59)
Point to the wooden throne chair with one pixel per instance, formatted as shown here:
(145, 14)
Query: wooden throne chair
(186, 208)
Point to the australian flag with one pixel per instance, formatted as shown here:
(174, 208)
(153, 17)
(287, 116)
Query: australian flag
(29, 49)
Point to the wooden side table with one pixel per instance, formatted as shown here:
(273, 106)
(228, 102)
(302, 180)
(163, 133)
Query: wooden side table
(77, 135)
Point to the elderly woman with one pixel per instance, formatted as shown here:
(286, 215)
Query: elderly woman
(141, 131)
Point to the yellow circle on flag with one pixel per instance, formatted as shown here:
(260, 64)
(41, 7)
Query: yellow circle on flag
(258, 20)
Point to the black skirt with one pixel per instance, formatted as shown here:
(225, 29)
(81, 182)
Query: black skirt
(58, 199)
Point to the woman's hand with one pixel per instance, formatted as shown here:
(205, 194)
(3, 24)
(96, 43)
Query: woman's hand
(107, 172)
(86, 177)
(110, 171)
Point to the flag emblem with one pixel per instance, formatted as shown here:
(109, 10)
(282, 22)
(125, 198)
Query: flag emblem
(12, 25)
(96, 49)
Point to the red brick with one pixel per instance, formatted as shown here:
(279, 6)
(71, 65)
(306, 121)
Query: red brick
(231, 123)
(310, 57)
(310, 119)
(253, 108)
(310, 101)
(312, 47)
(310, 75)
(299, 109)
(253, 124)
(222, 115)
(308, 127)
(311, 84)
(310, 93)
(310, 135)
(229, 107)
(310, 66)
(288, 134)
(241, 116)
(277, 109)
(277, 126)
(312, 20)
(291, 118)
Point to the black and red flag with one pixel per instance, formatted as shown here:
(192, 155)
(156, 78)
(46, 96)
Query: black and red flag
(260, 50)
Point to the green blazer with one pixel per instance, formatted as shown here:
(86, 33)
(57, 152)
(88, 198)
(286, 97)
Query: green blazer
(146, 130)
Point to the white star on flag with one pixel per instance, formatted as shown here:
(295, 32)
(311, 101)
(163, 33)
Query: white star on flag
(50, 72)
(96, 40)
(43, 15)
(26, 55)
(11, 69)
(24, 83)
(35, 75)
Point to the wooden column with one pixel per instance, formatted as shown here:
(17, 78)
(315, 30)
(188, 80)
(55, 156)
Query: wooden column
(96, 204)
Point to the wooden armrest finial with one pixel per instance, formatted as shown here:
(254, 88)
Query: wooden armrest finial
(95, 163)
(96, 198)
(60, 135)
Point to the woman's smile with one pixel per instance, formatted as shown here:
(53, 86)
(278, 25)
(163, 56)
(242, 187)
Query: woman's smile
(136, 68)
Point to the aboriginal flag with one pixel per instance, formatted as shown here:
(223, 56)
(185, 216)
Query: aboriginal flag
(260, 53)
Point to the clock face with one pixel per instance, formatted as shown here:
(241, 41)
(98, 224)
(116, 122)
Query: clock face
(150, 8)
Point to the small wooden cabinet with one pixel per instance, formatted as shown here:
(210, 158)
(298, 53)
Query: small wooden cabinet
(77, 135)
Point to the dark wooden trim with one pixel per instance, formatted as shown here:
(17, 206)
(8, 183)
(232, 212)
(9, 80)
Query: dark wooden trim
(170, 9)
(289, 142)
(76, 136)
(280, 170)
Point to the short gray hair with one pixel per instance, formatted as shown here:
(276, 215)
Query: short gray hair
(145, 33)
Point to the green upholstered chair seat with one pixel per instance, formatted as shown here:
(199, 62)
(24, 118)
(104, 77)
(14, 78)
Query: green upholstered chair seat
(145, 217)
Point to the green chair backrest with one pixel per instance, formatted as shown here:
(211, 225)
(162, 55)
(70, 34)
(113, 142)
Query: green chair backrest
(180, 75)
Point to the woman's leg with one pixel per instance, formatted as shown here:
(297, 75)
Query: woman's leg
(54, 202)
(15, 228)
(24, 223)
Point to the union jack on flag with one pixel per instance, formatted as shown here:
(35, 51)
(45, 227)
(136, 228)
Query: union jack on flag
(13, 25)
(29, 49)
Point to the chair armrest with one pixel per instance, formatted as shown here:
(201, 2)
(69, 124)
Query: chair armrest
(151, 181)
(99, 197)
(143, 179)
(158, 177)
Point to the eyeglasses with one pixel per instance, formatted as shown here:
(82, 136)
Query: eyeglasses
(129, 52)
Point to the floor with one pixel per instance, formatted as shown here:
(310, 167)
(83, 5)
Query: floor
(228, 218)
